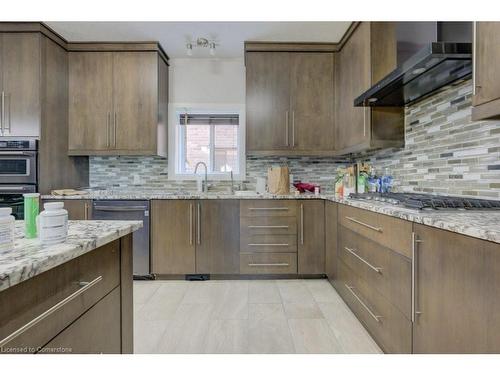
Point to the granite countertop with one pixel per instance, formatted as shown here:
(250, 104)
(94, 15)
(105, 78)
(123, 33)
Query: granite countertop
(479, 224)
(29, 258)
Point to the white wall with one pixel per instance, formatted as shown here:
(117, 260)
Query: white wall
(207, 81)
(210, 85)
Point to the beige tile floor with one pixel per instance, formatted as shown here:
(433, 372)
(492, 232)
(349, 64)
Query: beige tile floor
(240, 316)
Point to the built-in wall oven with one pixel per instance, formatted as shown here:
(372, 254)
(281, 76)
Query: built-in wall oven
(18, 172)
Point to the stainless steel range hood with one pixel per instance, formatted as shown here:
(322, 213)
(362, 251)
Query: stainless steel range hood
(430, 55)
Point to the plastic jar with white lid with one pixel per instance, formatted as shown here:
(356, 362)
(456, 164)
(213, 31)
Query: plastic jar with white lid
(7, 223)
(53, 223)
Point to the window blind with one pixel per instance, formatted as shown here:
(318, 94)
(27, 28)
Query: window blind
(209, 119)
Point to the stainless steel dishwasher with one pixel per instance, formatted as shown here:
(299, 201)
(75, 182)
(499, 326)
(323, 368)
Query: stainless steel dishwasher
(129, 210)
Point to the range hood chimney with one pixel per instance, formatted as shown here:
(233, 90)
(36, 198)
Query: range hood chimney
(430, 55)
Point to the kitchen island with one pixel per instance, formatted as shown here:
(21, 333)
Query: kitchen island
(74, 297)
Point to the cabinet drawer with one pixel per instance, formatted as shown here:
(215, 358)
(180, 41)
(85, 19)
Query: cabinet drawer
(273, 243)
(385, 270)
(268, 263)
(268, 207)
(385, 230)
(35, 298)
(388, 326)
(268, 225)
(95, 332)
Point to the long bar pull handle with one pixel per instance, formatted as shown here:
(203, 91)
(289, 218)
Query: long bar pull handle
(268, 244)
(376, 269)
(287, 143)
(377, 229)
(414, 263)
(474, 30)
(364, 122)
(268, 264)
(2, 112)
(108, 127)
(199, 225)
(268, 208)
(372, 314)
(301, 223)
(84, 286)
(86, 213)
(191, 224)
(114, 131)
(268, 226)
(293, 128)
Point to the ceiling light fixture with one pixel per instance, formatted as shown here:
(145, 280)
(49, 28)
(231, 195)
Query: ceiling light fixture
(201, 43)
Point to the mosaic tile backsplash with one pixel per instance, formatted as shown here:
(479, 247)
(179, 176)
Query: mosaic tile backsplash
(445, 153)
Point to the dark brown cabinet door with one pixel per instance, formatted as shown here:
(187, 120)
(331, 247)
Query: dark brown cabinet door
(21, 65)
(267, 101)
(331, 257)
(311, 248)
(218, 236)
(90, 101)
(457, 284)
(135, 101)
(312, 101)
(97, 331)
(173, 237)
(486, 69)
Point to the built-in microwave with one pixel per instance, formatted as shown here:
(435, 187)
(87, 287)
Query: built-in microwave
(18, 161)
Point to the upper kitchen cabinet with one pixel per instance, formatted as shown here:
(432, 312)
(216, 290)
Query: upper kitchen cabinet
(369, 53)
(289, 101)
(486, 88)
(20, 69)
(118, 98)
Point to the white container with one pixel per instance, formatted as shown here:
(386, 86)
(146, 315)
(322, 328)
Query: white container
(53, 223)
(6, 229)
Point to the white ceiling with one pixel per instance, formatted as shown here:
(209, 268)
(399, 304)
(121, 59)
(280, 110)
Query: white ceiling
(174, 35)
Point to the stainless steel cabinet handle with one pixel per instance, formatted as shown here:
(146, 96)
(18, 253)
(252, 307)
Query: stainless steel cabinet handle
(199, 225)
(2, 112)
(372, 314)
(268, 244)
(293, 128)
(376, 269)
(268, 208)
(114, 131)
(86, 213)
(377, 229)
(9, 129)
(84, 286)
(108, 130)
(268, 226)
(191, 224)
(120, 209)
(474, 57)
(364, 121)
(301, 223)
(414, 259)
(268, 264)
(286, 130)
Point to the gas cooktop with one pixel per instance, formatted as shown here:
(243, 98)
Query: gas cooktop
(429, 202)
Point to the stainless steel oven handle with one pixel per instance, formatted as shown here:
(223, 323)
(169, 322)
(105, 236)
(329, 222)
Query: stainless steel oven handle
(17, 153)
(16, 188)
(84, 286)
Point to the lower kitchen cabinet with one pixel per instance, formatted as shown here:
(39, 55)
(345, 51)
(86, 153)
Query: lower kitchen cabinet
(96, 331)
(311, 241)
(173, 246)
(331, 258)
(78, 209)
(82, 306)
(218, 236)
(456, 297)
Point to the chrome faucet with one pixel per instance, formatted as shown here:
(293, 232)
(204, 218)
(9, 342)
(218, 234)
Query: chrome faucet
(232, 182)
(205, 184)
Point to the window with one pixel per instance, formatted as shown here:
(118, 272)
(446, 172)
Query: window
(209, 137)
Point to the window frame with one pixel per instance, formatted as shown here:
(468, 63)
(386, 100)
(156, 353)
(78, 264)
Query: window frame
(177, 140)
